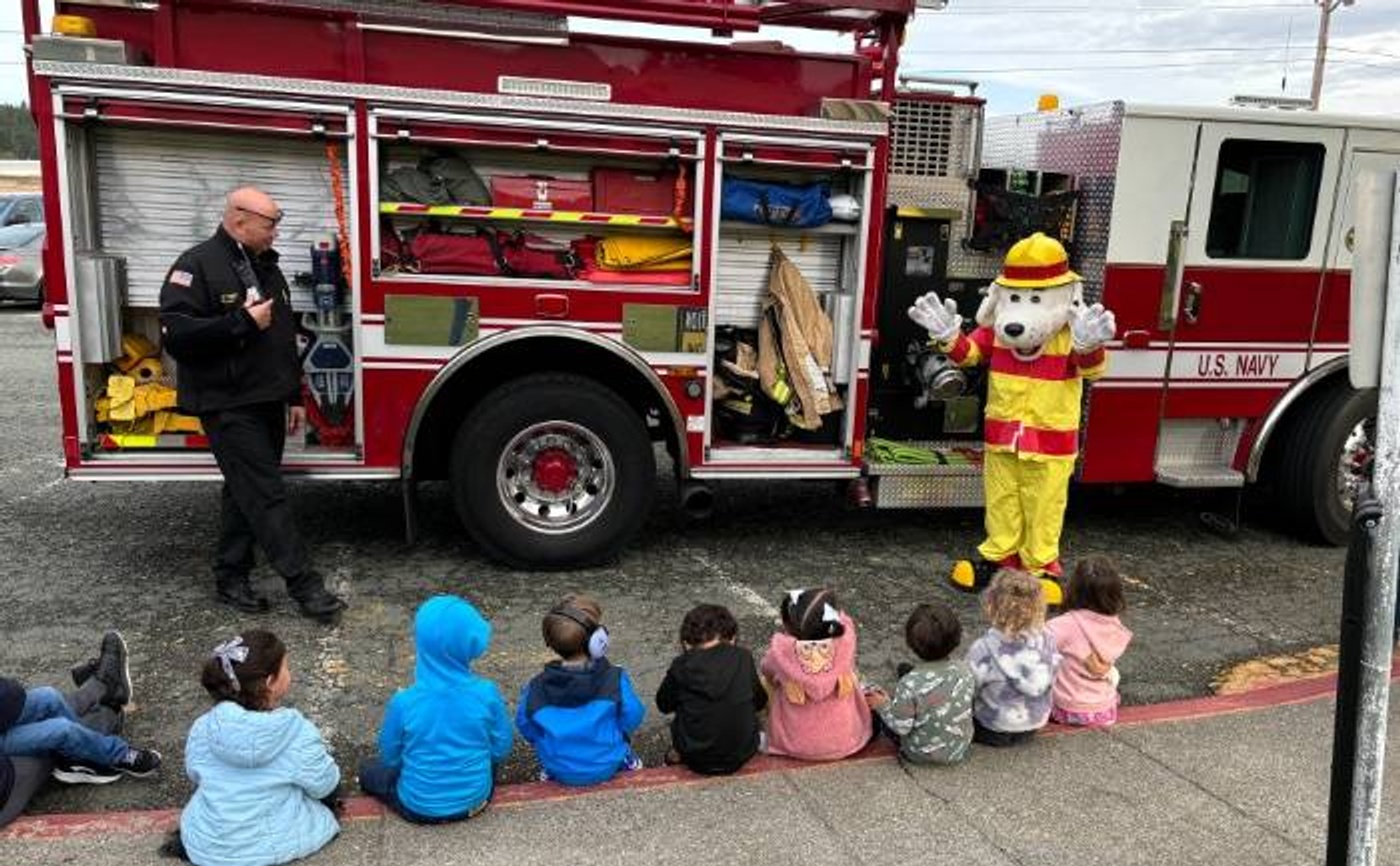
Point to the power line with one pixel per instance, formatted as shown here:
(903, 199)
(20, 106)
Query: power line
(1130, 10)
(1079, 51)
(1118, 67)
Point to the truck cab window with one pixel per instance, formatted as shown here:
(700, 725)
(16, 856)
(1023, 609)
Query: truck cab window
(1265, 199)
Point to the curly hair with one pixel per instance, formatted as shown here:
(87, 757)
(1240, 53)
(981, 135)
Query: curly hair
(266, 653)
(707, 622)
(1014, 603)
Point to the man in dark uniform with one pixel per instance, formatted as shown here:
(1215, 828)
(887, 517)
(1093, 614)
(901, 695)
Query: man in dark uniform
(226, 317)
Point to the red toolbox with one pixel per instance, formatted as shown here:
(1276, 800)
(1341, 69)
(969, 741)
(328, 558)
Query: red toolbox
(635, 191)
(541, 193)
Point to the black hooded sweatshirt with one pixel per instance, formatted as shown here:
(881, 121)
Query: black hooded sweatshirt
(716, 695)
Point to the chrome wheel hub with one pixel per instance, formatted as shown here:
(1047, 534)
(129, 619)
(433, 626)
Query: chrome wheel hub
(1354, 462)
(555, 477)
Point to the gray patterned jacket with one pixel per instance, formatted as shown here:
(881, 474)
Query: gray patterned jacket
(1014, 676)
(931, 711)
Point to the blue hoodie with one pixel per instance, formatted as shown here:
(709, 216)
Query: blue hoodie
(579, 720)
(447, 731)
(258, 777)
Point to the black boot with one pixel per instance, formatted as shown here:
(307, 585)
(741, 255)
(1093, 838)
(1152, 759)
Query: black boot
(238, 593)
(313, 599)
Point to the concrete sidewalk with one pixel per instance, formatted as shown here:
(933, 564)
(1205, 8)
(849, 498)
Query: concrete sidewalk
(1215, 781)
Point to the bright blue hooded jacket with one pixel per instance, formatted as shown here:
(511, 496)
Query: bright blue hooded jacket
(446, 731)
(579, 719)
(258, 777)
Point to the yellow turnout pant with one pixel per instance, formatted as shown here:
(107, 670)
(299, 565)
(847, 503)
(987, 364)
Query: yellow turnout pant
(1025, 508)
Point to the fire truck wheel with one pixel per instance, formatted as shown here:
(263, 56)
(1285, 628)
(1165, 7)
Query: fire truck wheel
(1326, 458)
(552, 471)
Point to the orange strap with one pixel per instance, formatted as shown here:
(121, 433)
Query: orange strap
(342, 223)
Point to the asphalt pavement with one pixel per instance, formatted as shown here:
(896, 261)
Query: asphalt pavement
(81, 557)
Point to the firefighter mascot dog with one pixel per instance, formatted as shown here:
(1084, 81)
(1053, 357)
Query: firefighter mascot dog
(1040, 340)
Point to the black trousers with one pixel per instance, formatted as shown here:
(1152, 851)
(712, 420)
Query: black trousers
(32, 772)
(247, 442)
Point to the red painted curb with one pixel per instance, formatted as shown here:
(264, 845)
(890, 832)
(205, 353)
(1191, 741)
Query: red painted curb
(153, 821)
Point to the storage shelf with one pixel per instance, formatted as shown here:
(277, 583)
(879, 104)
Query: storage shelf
(515, 214)
(831, 228)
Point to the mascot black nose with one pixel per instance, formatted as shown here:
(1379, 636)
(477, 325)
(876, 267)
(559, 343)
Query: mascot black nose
(1015, 329)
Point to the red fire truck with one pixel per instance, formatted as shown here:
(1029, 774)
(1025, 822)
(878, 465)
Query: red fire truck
(522, 273)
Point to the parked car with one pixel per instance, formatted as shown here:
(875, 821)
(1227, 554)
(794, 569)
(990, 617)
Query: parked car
(22, 262)
(18, 208)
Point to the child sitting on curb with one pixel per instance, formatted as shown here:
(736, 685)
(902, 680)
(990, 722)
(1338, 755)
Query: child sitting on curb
(1014, 662)
(1091, 638)
(442, 737)
(262, 773)
(931, 711)
(714, 690)
(580, 711)
(817, 712)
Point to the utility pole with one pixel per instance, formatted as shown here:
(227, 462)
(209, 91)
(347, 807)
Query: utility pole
(1320, 60)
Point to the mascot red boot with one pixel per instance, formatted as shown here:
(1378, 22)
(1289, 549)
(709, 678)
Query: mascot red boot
(1041, 341)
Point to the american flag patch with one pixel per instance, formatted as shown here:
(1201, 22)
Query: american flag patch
(181, 278)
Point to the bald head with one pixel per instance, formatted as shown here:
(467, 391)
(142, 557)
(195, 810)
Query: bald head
(251, 217)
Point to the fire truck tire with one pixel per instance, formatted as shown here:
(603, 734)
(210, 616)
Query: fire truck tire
(552, 471)
(1327, 453)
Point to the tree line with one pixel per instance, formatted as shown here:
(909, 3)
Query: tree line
(17, 137)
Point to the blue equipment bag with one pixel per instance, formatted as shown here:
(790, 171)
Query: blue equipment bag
(775, 204)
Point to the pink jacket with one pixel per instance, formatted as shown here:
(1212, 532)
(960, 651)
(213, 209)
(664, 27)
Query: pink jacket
(823, 724)
(1078, 634)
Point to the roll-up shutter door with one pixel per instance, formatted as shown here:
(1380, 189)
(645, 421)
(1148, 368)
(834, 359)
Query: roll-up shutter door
(745, 258)
(160, 192)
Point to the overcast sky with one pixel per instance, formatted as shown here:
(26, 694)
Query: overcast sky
(1198, 52)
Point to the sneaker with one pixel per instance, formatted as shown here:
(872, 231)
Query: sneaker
(633, 762)
(74, 773)
(138, 762)
(114, 670)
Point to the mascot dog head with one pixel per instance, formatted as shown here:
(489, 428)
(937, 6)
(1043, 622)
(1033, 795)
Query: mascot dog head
(1033, 297)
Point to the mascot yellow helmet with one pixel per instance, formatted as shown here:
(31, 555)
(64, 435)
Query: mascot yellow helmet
(1036, 262)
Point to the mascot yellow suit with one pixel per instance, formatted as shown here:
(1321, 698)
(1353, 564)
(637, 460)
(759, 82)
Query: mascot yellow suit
(1041, 341)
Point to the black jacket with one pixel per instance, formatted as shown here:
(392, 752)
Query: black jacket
(224, 360)
(716, 695)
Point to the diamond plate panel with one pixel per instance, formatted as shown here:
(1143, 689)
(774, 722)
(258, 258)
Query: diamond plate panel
(948, 490)
(1082, 142)
(1197, 444)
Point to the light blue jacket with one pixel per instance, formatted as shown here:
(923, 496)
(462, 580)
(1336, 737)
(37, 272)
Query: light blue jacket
(450, 728)
(258, 777)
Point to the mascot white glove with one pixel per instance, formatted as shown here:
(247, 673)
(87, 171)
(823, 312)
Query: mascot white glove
(1091, 327)
(940, 319)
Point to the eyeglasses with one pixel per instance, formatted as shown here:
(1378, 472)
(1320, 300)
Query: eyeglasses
(273, 220)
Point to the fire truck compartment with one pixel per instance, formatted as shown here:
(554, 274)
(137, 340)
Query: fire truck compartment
(146, 180)
(513, 180)
(832, 259)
